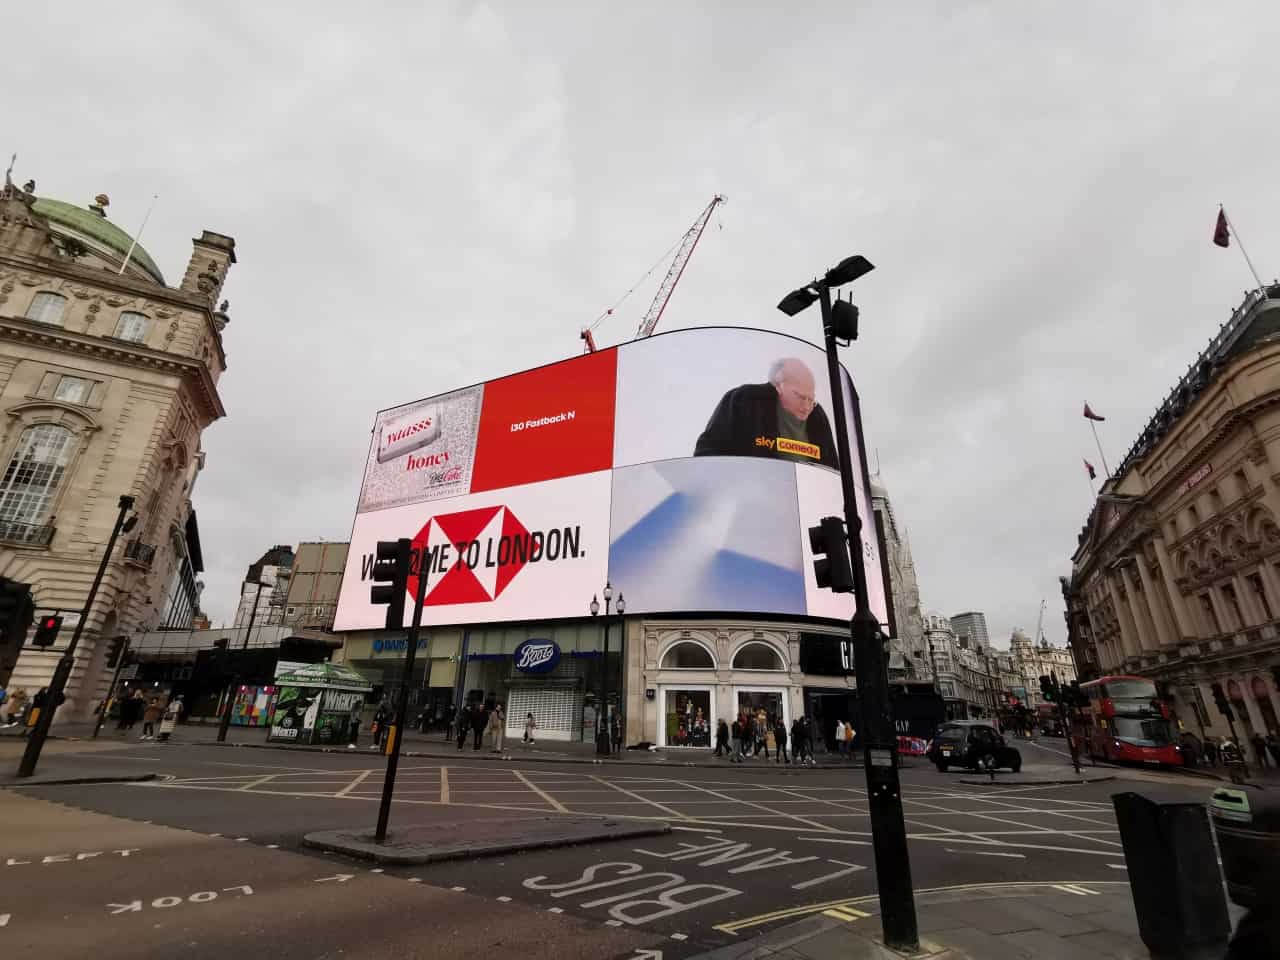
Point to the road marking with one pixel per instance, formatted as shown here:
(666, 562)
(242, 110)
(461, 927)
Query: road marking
(679, 936)
(555, 804)
(700, 829)
(1021, 846)
(273, 846)
(1077, 889)
(415, 879)
(555, 910)
(241, 839)
(822, 827)
(613, 923)
(4, 919)
(504, 899)
(444, 784)
(859, 843)
(252, 784)
(851, 868)
(630, 793)
(340, 877)
(458, 889)
(361, 777)
(1117, 866)
(847, 914)
(376, 870)
(988, 853)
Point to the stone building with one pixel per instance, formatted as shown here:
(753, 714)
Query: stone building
(908, 651)
(1036, 660)
(266, 585)
(313, 585)
(1176, 574)
(108, 378)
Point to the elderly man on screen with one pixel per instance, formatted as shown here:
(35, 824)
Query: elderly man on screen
(778, 419)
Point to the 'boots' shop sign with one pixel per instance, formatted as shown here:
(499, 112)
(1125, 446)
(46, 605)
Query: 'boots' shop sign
(536, 656)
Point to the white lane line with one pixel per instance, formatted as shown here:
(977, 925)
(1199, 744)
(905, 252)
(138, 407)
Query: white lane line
(376, 870)
(555, 910)
(613, 923)
(415, 879)
(822, 827)
(241, 839)
(361, 777)
(273, 846)
(988, 853)
(555, 804)
(504, 899)
(1020, 846)
(1117, 866)
(692, 829)
(251, 784)
(444, 784)
(679, 936)
(458, 889)
(860, 843)
(850, 868)
(676, 814)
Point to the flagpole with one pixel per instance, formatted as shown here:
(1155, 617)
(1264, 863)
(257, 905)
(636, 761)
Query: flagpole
(1243, 252)
(1094, 427)
(128, 256)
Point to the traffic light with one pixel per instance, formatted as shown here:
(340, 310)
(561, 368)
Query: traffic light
(391, 573)
(1220, 700)
(1075, 697)
(1048, 689)
(17, 610)
(114, 650)
(47, 630)
(831, 555)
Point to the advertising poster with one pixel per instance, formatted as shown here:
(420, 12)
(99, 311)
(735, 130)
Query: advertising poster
(686, 468)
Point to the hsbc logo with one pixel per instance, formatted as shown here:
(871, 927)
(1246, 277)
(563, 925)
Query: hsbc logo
(473, 555)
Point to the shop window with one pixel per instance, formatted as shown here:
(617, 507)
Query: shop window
(688, 717)
(757, 656)
(688, 656)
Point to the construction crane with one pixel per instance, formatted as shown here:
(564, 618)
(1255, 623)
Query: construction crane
(684, 251)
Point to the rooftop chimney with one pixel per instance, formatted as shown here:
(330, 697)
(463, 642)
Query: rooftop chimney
(211, 256)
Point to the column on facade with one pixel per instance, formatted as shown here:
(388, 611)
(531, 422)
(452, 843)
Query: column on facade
(1249, 605)
(1165, 629)
(1145, 639)
(1226, 618)
(1128, 632)
(1271, 584)
(1181, 616)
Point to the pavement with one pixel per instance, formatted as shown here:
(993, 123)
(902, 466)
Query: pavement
(754, 849)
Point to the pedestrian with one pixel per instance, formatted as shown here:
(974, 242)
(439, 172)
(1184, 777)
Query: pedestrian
(530, 725)
(137, 705)
(150, 716)
(1189, 747)
(806, 737)
(759, 732)
(172, 714)
(780, 742)
(353, 727)
(16, 703)
(736, 733)
(840, 743)
(497, 726)
(615, 730)
(1259, 743)
(479, 720)
(722, 738)
(1273, 744)
(381, 717)
(846, 748)
(462, 724)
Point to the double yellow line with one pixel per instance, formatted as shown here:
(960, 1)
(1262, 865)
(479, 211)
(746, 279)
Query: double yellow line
(836, 909)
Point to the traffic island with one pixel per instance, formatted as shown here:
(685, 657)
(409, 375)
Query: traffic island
(432, 843)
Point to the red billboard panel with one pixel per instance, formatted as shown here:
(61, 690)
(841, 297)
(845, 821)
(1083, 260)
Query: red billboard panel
(556, 421)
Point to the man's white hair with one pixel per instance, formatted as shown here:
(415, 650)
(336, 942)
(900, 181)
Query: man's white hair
(778, 366)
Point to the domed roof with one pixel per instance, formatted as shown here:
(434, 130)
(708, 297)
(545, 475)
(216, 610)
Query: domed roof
(96, 232)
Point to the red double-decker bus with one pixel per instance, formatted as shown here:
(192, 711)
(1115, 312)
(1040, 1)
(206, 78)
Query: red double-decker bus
(1126, 720)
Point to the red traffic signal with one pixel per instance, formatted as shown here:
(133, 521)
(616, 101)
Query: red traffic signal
(47, 631)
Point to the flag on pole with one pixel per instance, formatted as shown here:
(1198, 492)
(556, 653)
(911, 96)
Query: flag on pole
(1090, 415)
(1093, 474)
(1222, 230)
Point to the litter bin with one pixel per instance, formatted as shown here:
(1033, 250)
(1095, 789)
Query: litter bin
(1247, 823)
(1177, 889)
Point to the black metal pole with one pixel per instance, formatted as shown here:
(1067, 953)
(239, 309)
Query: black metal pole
(230, 695)
(111, 690)
(879, 746)
(602, 719)
(61, 673)
(393, 760)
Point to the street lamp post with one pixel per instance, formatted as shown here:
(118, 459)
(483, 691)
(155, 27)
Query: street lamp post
(603, 744)
(235, 678)
(31, 756)
(879, 749)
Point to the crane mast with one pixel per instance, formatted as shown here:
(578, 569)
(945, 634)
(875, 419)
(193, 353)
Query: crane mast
(687, 245)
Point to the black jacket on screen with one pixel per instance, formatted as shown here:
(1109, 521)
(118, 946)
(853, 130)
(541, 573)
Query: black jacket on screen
(751, 411)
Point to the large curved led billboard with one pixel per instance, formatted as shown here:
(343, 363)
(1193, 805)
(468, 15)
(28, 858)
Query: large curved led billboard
(684, 468)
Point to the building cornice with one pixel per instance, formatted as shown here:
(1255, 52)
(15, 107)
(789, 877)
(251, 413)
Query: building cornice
(194, 373)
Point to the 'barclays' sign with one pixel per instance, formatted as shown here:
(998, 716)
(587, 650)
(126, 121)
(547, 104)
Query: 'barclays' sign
(399, 645)
(536, 656)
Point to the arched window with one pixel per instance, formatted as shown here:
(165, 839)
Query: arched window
(757, 656)
(31, 479)
(133, 326)
(47, 308)
(688, 656)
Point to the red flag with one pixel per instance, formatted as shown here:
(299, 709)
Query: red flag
(1222, 232)
(1090, 415)
(1093, 474)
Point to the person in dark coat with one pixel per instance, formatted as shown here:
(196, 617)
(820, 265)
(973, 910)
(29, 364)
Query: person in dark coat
(479, 720)
(462, 724)
(780, 738)
(722, 739)
(381, 718)
(780, 419)
(615, 731)
(1259, 743)
(738, 733)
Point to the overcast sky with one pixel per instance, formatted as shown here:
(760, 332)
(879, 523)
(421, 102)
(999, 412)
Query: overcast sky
(425, 199)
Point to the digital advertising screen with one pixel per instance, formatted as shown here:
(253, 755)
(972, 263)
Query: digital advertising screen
(684, 468)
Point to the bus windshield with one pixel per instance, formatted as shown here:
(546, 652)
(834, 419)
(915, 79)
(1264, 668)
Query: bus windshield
(1153, 732)
(1130, 690)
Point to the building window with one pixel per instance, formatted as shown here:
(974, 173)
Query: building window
(1210, 614)
(47, 308)
(688, 656)
(33, 474)
(1229, 592)
(1255, 584)
(757, 656)
(73, 390)
(133, 326)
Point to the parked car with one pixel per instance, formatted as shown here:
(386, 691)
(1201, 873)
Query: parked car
(975, 744)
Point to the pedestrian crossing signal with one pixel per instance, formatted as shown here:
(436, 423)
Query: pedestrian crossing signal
(47, 631)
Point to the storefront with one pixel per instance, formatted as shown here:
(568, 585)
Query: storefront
(432, 688)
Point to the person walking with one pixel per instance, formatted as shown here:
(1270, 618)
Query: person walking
(479, 720)
(353, 726)
(150, 717)
(530, 725)
(722, 738)
(840, 743)
(615, 730)
(136, 704)
(736, 756)
(760, 733)
(1273, 744)
(16, 704)
(846, 747)
(780, 742)
(462, 725)
(497, 726)
(381, 717)
(1259, 743)
(806, 735)
(172, 714)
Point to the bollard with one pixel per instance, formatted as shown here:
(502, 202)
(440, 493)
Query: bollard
(1173, 875)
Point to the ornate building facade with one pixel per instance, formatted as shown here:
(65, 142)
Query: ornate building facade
(1176, 574)
(1035, 660)
(909, 657)
(108, 377)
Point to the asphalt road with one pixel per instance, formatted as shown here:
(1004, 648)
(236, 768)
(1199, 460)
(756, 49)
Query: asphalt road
(752, 847)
